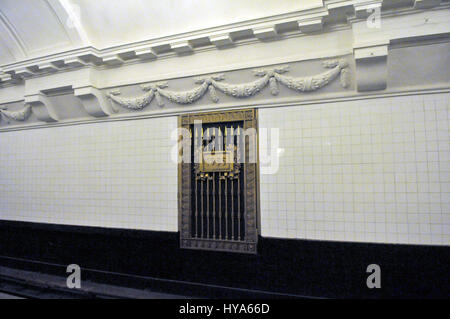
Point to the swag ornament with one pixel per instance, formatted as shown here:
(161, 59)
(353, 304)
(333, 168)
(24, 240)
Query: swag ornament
(20, 115)
(209, 84)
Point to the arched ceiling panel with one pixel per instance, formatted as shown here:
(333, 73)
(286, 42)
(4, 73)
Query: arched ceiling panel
(5, 54)
(32, 28)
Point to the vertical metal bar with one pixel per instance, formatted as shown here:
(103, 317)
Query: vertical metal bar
(208, 199)
(238, 181)
(196, 209)
(232, 207)
(230, 138)
(220, 141)
(196, 138)
(220, 206)
(201, 215)
(214, 176)
(226, 206)
(239, 206)
(207, 206)
(201, 182)
(214, 205)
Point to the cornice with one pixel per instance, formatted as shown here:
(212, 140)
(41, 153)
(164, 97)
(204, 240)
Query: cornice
(73, 58)
(313, 20)
(83, 86)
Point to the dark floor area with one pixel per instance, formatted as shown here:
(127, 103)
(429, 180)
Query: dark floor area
(22, 283)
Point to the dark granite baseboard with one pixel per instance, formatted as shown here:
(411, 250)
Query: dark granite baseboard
(298, 267)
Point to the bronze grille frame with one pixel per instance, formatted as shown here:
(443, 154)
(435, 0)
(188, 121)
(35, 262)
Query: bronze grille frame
(251, 174)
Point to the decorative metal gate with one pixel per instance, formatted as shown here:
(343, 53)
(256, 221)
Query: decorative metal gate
(218, 185)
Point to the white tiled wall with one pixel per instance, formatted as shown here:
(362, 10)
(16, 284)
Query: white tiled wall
(115, 174)
(368, 170)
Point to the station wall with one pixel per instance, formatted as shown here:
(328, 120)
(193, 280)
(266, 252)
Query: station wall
(374, 170)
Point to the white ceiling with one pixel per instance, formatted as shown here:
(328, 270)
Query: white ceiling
(33, 28)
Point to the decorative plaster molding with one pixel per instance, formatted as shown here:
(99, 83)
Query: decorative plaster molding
(42, 107)
(221, 40)
(112, 60)
(140, 102)
(137, 103)
(265, 32)
(284, 102)
(20, 115)
(184, 97)
(74, 62)
(4, 77)
(23, 72)
(145, 53)
(94, 102)
(318, 81)
(47, 67)
(243, 90)
(311, 25)
(182, 47)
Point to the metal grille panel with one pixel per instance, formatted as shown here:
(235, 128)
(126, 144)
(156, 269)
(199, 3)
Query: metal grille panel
(218, 187)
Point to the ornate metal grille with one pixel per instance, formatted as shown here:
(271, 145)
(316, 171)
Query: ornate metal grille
(218, 187)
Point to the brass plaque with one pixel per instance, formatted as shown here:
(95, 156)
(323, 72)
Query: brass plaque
(211, 164)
